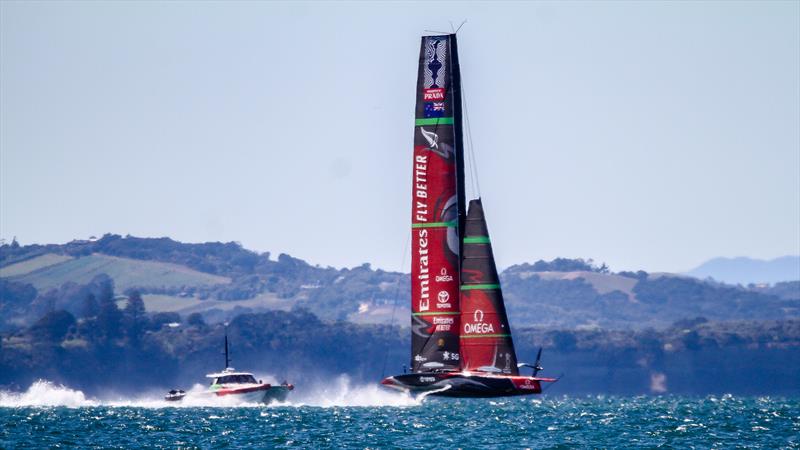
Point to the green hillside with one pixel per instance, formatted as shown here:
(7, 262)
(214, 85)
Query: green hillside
(603, 283)
(127, 273)
(221, 280)
(188, 305)
(29, 265)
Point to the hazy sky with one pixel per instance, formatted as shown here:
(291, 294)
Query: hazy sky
(643, 134)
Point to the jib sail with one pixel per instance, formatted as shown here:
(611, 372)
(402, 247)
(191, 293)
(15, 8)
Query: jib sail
(437, 209)
(486, 343)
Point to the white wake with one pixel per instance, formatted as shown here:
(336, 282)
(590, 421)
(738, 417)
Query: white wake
(339, 392)
(45, 393)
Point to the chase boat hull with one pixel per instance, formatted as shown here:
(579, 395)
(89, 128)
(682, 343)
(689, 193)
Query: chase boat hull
(264, 393)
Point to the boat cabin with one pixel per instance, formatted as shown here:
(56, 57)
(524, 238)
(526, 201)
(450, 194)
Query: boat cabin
(229, 376)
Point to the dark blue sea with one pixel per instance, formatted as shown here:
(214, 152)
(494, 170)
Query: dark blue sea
(346, 416)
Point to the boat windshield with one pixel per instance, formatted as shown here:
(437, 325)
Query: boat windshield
(235, 379)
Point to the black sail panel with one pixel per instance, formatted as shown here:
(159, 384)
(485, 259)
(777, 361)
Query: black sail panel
(486, 343)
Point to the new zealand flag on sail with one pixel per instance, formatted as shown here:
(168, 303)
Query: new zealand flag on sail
(434, 109)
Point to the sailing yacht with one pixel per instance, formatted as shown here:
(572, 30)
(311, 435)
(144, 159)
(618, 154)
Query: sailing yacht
(461, 342)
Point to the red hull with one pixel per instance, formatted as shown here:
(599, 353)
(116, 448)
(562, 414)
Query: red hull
(467, 384)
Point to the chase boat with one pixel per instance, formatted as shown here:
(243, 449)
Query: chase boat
(175, 395)
(241, 386)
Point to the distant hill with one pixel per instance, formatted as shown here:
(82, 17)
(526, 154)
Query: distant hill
(50, 271)
(628, 300)
(745, 270)
(219, 280)
(222, 280)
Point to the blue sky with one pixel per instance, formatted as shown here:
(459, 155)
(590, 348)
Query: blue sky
(649, 135)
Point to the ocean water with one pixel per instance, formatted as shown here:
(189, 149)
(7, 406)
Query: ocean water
(344, 415)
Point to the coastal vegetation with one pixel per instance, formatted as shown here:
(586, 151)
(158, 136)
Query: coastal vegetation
(120, 350)
(161, 307)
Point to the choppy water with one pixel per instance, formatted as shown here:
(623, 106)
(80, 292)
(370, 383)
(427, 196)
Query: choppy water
(349, 416)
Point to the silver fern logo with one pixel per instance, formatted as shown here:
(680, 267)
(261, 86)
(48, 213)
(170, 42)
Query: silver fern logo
(444, 150)
(431, 137)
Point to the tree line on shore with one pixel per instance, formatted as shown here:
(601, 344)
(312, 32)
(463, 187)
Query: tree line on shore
(108, 347)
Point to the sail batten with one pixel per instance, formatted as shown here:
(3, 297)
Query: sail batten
(434, 225)
(436, 121)
(484, 287)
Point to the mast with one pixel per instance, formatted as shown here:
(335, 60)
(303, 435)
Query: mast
(438, 214)
(459, 138)
(227, 360)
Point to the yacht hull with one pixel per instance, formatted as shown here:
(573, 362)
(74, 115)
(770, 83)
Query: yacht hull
(465, 384)
(264, 393)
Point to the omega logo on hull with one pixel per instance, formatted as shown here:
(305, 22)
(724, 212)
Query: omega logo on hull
(479, 327)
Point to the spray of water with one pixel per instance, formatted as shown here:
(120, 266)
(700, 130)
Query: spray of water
(45, 393)
(340, 391)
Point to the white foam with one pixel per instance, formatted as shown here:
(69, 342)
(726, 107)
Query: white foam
(45, 393)
(197, 396)
(340, 391)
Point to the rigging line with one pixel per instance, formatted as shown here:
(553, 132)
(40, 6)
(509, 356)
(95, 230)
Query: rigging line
(394, 305)
(471, 161)
(468, 140)
(471, 146)
(467, 143)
